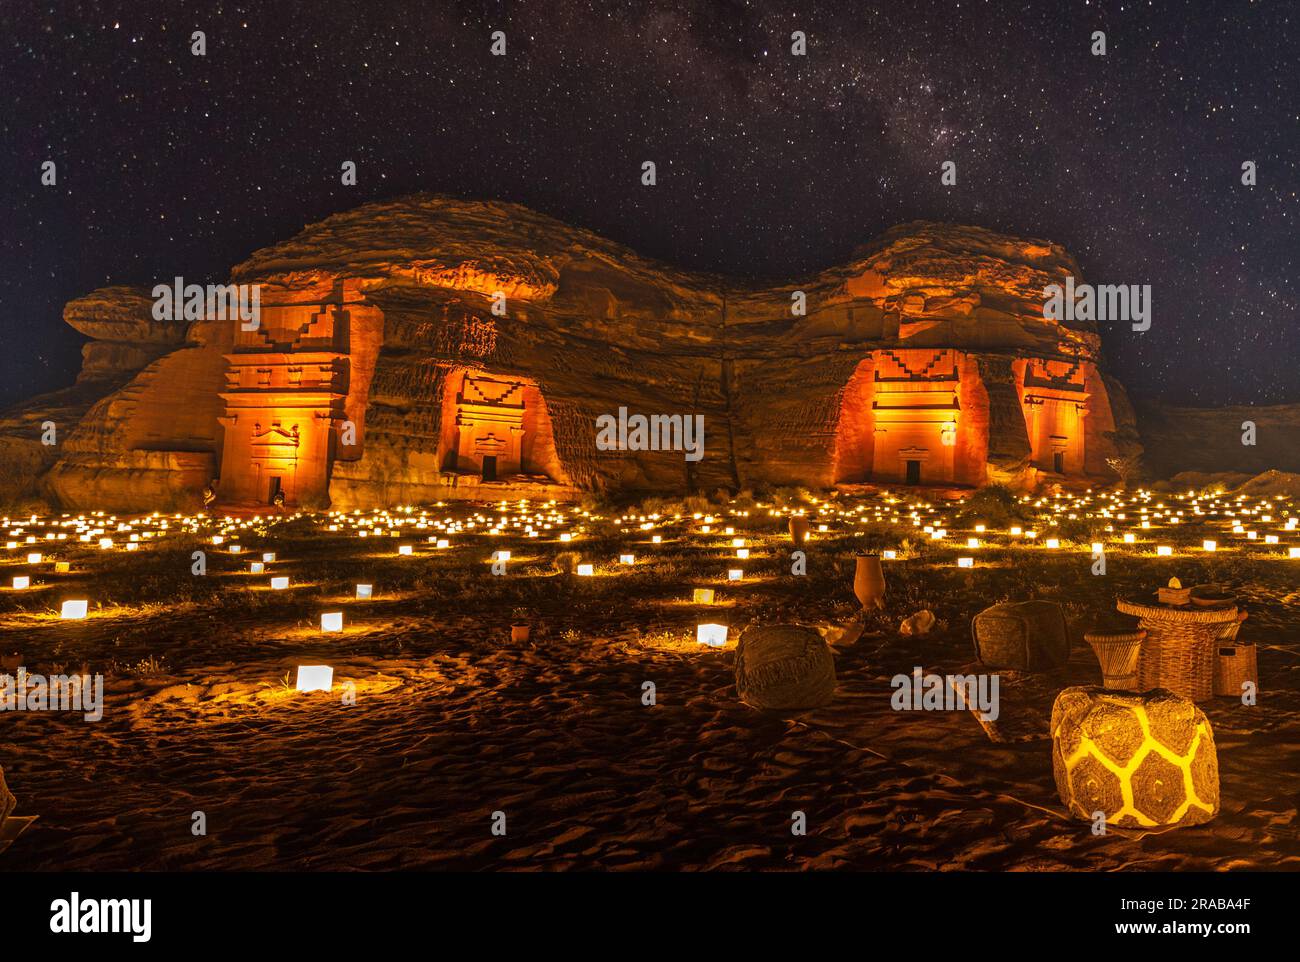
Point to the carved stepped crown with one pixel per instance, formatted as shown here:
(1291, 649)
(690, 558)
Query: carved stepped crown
(924, 374)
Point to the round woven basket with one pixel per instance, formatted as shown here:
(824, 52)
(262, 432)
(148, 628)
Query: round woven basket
(1117, 653)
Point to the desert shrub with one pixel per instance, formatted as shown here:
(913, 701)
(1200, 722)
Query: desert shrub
(995, 505)
(1081, 530)
(566, 562)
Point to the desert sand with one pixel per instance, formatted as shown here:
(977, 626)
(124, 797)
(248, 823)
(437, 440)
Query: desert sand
(453, 721)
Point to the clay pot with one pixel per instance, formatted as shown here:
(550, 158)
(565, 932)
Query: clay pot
(519, 632)
(798, 529)
(869, 581)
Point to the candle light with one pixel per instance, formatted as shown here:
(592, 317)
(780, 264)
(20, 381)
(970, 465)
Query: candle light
(315, 678)
(715, 636)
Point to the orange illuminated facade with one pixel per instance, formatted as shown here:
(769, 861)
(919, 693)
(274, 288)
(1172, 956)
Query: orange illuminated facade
(294, 401)
(912, 416)
(1054, 397)
(495, 429)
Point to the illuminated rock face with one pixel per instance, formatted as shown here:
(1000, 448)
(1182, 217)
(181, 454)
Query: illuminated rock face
(1145, 760)
(428, 348)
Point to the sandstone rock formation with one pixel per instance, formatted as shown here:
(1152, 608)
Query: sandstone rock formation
(427, 348)
(1210, 440)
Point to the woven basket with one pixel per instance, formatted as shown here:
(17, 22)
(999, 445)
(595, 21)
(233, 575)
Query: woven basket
(1234, 664)
(1117, 653)
(1179, 650)
(784, 667)
(1022, 636)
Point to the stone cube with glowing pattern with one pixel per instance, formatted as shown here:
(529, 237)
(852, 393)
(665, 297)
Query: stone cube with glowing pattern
(1146, 760)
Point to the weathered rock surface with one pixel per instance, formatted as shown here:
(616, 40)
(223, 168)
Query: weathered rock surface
(587, 327)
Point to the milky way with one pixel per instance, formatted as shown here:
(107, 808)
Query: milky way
(769, 164)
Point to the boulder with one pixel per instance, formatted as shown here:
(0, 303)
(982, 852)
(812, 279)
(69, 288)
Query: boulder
(784, 667)
(1146, 760)
(1022, 636)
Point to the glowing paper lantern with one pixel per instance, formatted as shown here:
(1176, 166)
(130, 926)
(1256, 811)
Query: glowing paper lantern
(586, 570)
(738, 542)
(1053, 543)
(715, 636)
(703, 596)
(256, 567)
(1293, 552)
(405, 549)
(735, 574)
(1210, 545)
(268, 556)
(364, 591)
(889, 554)
(742, 553)
(315, 678)
(33, 559)
(280, 583)
(501, 556)
(657, 539)
(106, 542)
(74, 609)
(235, 549)
(972, 542)
(965, 562)
(21, 582)
(331, 621)
(1164, 551)
(443, 543)
(626, 559)
(1130, 538)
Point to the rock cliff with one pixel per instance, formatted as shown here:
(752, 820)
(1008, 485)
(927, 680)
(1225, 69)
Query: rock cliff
(931, 337)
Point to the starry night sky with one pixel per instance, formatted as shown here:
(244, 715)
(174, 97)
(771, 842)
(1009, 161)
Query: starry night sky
(768, 164)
